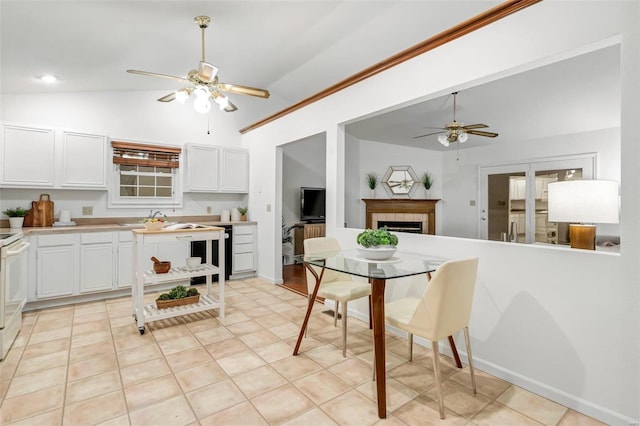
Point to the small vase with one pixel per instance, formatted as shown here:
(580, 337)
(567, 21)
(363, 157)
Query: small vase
(243, 217)
(427, 194)
(16, 222)
(373, 193)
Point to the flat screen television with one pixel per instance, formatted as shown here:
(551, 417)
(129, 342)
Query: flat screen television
(312, 204)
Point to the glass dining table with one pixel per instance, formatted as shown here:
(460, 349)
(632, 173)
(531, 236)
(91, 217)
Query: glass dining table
(377, 272)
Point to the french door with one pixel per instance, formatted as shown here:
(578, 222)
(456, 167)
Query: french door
(513, 198)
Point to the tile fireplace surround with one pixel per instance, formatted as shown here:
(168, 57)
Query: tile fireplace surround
(401, 210)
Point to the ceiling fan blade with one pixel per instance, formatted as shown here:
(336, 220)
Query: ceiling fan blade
(243, 90)
(230, 107)
(155, 74)
(440, 128)
(168, 98)
(428, 134)
(481, 133)
(207, 72)
(474, 126)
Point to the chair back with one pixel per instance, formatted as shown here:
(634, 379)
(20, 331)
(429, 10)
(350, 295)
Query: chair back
(322, 245)
(446, 302)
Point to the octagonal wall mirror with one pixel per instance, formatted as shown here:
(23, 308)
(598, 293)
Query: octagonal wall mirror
(400, 182)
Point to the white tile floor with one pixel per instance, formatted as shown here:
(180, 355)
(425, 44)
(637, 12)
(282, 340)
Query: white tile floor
(87, 364)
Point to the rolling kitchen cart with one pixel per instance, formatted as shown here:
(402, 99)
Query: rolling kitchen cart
(143, 313)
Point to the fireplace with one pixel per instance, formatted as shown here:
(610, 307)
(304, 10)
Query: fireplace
(401, 226)
(404, 213)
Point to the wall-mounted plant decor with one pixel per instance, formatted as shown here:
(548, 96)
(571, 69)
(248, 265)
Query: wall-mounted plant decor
(400, 182)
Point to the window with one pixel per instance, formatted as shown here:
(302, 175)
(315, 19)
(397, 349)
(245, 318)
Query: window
(145, 175)
(514, 198)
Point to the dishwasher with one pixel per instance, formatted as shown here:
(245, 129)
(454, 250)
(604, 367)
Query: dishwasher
(198, 248)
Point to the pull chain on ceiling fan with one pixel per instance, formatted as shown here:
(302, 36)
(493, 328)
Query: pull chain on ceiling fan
(203, 83)
(457, 132)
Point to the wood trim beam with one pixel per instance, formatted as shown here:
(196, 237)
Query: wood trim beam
(485, 18)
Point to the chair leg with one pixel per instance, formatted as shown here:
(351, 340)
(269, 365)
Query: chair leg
(344, 329)
(307, 329)
(436, 371)
(335, 313)
(410, 340)
(467, 342)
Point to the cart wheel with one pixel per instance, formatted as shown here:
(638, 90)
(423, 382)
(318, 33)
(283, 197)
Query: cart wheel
(141, 330)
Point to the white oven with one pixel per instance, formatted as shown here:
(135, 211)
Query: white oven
(13, 287)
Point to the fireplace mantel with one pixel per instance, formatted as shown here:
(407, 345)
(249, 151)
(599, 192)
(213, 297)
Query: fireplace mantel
(402, 206)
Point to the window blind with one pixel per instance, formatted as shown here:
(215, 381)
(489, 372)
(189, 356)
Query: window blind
(146, 155)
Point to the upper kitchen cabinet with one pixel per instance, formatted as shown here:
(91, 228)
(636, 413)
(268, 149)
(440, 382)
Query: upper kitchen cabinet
(84, 161)
(202, 168)
(216, 169)
(235, 170)
(44, 158)
(28, 157)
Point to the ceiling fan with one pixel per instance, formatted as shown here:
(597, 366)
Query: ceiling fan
(204, 83)
(458, 132)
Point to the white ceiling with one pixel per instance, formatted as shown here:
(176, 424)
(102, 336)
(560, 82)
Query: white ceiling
(292, 48)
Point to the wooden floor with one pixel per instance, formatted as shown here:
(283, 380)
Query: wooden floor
(294, 279)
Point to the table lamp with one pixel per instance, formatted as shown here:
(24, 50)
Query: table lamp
(583, 203)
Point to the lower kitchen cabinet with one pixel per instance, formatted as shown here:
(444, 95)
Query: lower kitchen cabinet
(96, 262)
(56, 265)
(244, 250)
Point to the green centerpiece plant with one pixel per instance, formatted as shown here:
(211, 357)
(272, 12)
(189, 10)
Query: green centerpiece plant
(17, 212)
(371, 238)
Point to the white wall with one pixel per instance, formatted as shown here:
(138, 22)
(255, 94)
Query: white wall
(123, 116)
(363, 157)
(303, 165)
(560, 322)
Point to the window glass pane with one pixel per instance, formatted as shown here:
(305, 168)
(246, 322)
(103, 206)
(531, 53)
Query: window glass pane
(163, 181)
(146, 191)
(128, 191)
(127, 168)
(551, 232)
(130, 180)
(163, 170)
(147, 180)
(163, 192)
(146, 169)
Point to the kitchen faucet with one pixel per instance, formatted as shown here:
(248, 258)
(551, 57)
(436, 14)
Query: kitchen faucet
(153, 215)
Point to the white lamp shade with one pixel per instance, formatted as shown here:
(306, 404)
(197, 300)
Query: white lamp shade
(583, 201)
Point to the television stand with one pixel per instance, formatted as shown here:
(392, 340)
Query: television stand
(302, 231)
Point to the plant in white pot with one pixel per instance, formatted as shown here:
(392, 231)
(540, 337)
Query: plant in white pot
(377, 244)
(372, 182)
(427, 182)
(16, 217)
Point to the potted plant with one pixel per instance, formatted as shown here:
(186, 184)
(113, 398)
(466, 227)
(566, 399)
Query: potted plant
(243, 212)
(177, 296)
(427, 182)
(16, 217)
(372, 182)
(377, 244)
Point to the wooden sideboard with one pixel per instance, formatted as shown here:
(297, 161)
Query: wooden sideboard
(302, 231)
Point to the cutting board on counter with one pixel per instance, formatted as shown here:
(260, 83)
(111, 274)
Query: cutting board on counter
(41, 212)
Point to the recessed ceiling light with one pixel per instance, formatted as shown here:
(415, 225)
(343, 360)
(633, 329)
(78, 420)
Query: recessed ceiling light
(49, 78)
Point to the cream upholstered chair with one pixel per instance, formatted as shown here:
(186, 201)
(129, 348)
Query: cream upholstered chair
(334, 285)
(445, 307)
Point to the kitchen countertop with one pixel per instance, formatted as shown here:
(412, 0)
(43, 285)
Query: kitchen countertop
(120, 224)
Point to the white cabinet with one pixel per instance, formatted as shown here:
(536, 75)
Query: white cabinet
(202, 168)
(96, 262)
(244, 250)
(28, 156)
(124, 257)
(235, 170)
(56, 265)
(216, 169)
(44, 158)
(84, 161)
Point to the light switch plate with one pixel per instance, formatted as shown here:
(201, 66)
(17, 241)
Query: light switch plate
(87, 211)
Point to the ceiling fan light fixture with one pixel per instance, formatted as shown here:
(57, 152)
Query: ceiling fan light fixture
(222, 101)
(443, 140)
(202, 105)
(463, 136)
(182, 96)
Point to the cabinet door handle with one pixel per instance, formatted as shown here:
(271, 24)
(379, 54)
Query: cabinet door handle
(184, 237)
